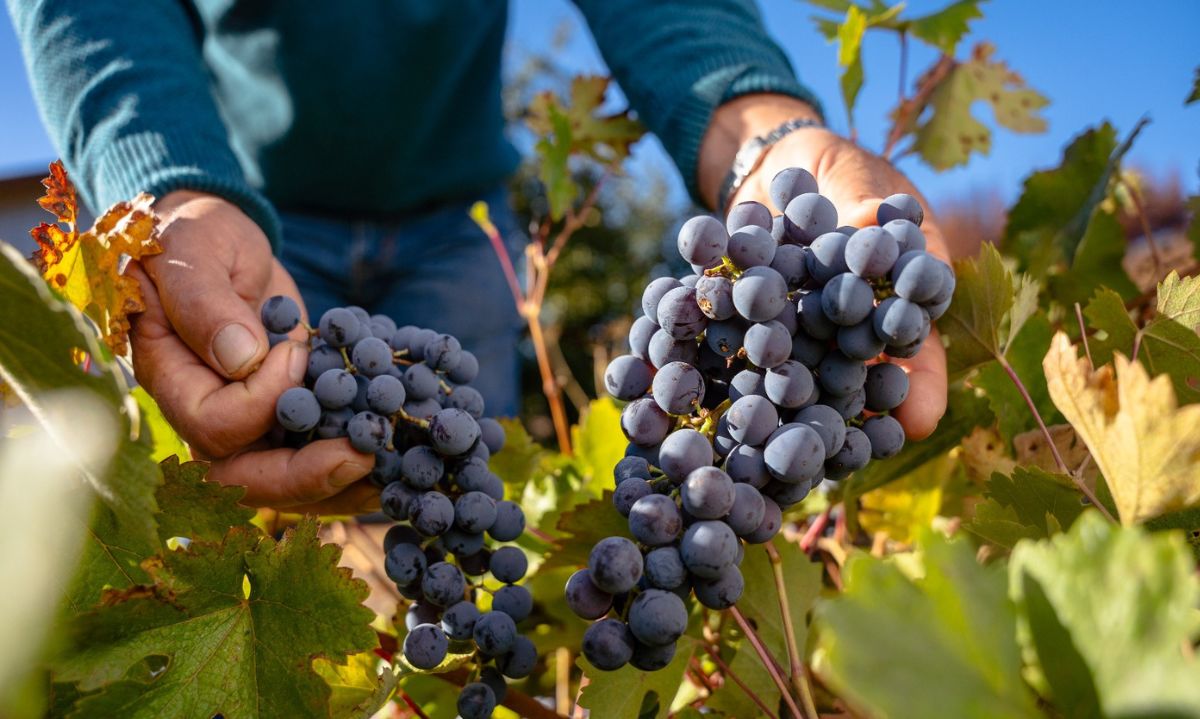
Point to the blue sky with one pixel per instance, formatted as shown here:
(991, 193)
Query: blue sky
(1094, 60)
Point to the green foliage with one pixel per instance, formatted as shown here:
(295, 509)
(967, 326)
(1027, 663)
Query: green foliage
(1194, 95)
(628, 693)
(1024, 356)
(954, 623)
(1031, 504)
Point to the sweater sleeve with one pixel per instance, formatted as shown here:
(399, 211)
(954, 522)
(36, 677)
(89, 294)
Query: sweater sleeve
(678, 60)
(125, 96)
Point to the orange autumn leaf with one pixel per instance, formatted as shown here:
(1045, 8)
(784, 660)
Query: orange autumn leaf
(86, 268)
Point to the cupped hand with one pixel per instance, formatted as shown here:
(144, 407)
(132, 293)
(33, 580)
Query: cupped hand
(200, 350)
(856, 181)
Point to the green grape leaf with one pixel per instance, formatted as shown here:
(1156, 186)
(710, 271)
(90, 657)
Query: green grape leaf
(582, 527)
(988, 309)
(886, 635)
(760, 600)
(999, 525)
(229, 628)
(1195, 94)
(195, 508)
(730, 699)
(965, 410)
(1168, 344)
(1031, 504)
(1193, 231)
(1097, 263)
(630, 693)
(944, 28)
(951, 133)
(849, 36)
(1024, 355)
(599, 443)
(1127, 600)
(360, 687)
(521, 460)
(156, 431)
(554, 151)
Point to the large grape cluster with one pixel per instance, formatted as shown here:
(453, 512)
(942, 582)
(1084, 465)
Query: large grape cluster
(749, 382)
(403, 394)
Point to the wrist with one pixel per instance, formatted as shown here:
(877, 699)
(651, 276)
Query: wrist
(736, 122)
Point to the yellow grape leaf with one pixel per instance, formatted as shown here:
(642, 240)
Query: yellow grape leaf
(905, 508)
(86, 268)
(1144, 444)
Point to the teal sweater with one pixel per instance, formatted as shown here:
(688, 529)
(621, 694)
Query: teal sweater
(351, 108)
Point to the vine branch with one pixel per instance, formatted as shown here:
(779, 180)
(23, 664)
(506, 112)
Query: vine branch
(795, 665)
(765, 657)
(726, 671)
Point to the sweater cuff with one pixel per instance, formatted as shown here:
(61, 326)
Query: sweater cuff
(691, 119)
(159, 163)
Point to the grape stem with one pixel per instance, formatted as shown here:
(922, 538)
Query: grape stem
(1058, 459)
(726, 671)
(416, 708)
(795, 665)
(521, 703)
(768, 661)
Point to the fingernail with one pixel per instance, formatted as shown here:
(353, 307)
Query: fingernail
(234, 347)
(297, 363)
(347, 472)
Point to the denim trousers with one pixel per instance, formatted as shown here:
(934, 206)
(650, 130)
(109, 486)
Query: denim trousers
(435, 269)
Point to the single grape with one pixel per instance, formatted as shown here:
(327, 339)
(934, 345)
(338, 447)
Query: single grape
(640, 332)
(885, 434)
(453, 431)
(608, 644)
(678, 388)
(848, 406)
(725, 338)
(714, 297)
(458, 621)
(368, 432)
(809, 215)
(816, 325)
(768, 344)
(421, 467)
(839, 375)
(431, 513)
(334, 422)
(474, 512)
(518, 662)
(508, 564)
(721, 592)
(747, 510)
(385, 395)
(682, 452)
(665, 349)
(827, 423)
(946, 289)
(443, 353)
(629, 492)
(630, 467)
(707, 548)
(657, 617)
(707, 493)
(461, 542)
(627, 377)
(425, 646)
(321, 359)
(859, 342)
(746, 464)
(871, 252)
(751, 246)
(492, 434)
(789, 184)
(404, 563)
(807, 350)
(745, 214)
(759, 294)
(791, 262)
(789, 385)
(847, 300)
(651, 658)
(752, 419)
(338, 327)
(443, 584)
(298, 410)
(827, 257)
(420, 382)
(495, 633)
(615, 565)
(395, 500)
(372, 356)
(794, 453)
(886, 387)
(747, 382)
(907, 235)
(400, 534)
(476, 701)
(679, 315)
(584, 598)
(899, 322)
(654, 293)
(900, 207)
(853, 456)
(920, 279)
(664, 568)
(417, 342)
(514, 600)
(702, 240)
(654, 520)
(467, 399)
(772, 521)
(787, 495)
(281, 314)
(420, 612)
(510, 522)
(386, 469)
(382, 327)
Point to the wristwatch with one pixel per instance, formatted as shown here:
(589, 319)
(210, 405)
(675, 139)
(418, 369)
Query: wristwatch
(751, 154)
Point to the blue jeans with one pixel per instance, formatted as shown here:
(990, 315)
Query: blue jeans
(436, 270)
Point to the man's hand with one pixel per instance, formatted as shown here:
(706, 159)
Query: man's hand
(200, 350)
(856, 181)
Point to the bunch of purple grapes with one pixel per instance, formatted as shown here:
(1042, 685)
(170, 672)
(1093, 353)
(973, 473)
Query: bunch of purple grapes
(750, 381)
(403, 394)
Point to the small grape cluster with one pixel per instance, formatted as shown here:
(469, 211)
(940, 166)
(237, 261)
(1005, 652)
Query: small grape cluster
(403, 394)
(750, 382)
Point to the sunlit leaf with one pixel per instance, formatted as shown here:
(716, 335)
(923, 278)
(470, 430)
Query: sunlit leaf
(629, 693)
(944, 28)
(195, 508)
(599, 443)
(849, 37)
(988, 309)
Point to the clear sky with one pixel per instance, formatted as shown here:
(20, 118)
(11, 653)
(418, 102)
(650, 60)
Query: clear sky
(1094, 59)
